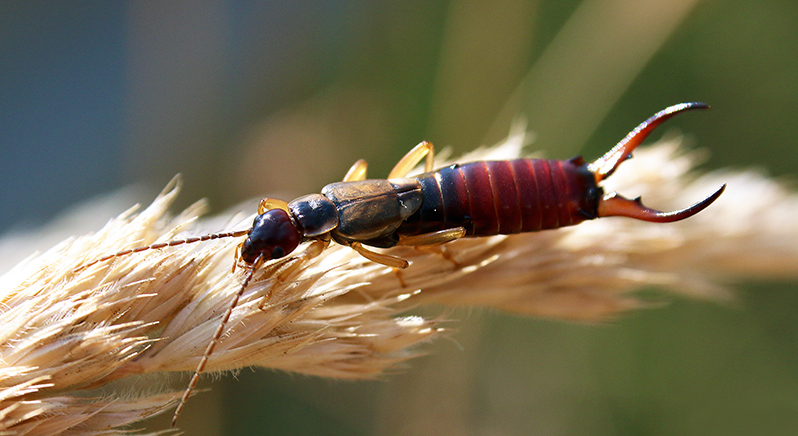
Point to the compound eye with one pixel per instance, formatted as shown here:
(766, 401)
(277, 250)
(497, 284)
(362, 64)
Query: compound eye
(278, 252)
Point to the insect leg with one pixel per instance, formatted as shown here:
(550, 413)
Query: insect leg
(268, 204)
(384, 259)
(441, 251)
(432, 242)
(238, 257)
(285, 271)
(412, 158)
(433, 238)
(357, 172)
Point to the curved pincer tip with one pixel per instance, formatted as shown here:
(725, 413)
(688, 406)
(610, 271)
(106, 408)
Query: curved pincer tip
(605, 165)
(615, 205)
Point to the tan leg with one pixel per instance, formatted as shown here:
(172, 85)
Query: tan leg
(441, 251)
(238, 257)
(268, 204)
(357, 172)
(285, 272)
(412, 158)
(433, 238)
(315, 248)
(384, 259)
(399, 277)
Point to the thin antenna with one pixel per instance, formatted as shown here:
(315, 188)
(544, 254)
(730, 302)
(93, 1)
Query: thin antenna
(208, 351)
(171, 243)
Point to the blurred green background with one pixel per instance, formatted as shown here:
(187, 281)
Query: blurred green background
(254, 98)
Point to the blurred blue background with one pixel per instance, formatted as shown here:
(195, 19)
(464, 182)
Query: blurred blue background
(253, 98)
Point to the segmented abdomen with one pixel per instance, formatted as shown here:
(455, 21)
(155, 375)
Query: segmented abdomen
(504, 197)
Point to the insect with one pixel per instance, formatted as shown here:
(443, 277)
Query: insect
(466, 200)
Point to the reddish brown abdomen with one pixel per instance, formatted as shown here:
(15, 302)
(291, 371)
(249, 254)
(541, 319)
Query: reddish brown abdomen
(504, 197)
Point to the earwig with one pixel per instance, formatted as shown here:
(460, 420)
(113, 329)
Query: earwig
(463, 200)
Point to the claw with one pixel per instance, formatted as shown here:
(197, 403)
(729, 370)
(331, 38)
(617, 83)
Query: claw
(615, 205)
(605, 165)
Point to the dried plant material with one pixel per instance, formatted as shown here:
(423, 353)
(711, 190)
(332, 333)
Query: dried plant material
(67, 333)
